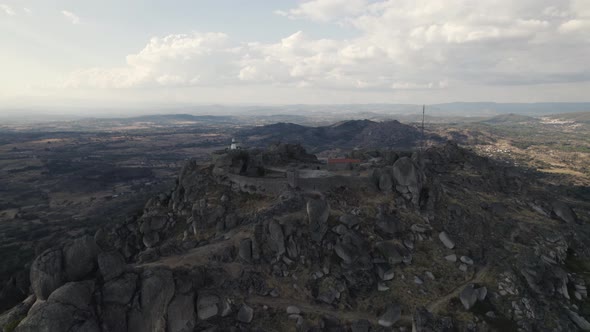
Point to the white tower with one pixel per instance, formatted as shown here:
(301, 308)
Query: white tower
(234, 144)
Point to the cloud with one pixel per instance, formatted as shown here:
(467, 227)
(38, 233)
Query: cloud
(325, 10)
(27, 11)
(576, 25)
(73, 18)
(7, 10)
(174, 60)
(399, 45)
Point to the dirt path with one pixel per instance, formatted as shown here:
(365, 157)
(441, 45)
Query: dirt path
(322, 309)
(201, 255)
(479, 276)
(358, 315)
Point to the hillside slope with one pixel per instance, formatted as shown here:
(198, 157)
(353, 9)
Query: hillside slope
(508, 119)
(443, 241)
(579, 117)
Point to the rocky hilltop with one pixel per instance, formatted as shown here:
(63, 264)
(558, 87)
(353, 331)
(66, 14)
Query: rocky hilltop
(442, 240)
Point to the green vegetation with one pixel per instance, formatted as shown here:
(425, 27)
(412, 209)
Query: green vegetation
(12, 325)
(499, 323)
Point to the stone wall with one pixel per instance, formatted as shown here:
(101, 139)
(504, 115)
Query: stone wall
(329, 183)
(258, 184)
(273, 186)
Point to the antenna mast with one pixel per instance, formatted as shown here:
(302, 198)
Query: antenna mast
(423, 112)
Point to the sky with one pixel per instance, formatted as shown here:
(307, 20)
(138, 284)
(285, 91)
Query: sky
(153, 52)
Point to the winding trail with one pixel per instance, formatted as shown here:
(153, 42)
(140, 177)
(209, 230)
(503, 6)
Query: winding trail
(322, 309)
(351, 316)
(201, 256)
(434, 307)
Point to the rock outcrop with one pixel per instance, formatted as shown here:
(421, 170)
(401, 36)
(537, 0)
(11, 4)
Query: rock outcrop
(206, 257)
(47, 273)
(67, 309)
(408, 179)
(318, 211)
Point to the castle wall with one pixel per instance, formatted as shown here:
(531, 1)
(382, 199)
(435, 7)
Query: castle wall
(275, 186)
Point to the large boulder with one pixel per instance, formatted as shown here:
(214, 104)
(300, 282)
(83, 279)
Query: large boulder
(80, 258)
(391, 315)
(318, 211)
(245, 314)
(277, 238)
(408, 180)
(67, 309)
(120, 290)
(446, 240)
(111, 264)
(468, 296)
(77, 294)
(116, 295)
(153, 223)
(385, 182)
(114, 318)
(207, 306)
(151, 239)
(47, 273)
(192, 182)
(181, 313)
(157, 290)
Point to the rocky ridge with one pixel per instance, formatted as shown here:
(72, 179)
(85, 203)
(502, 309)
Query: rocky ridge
(445, 240)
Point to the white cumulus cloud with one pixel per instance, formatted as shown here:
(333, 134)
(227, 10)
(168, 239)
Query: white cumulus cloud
(398, 45)
(174, 60)
(576, 25)
(73, 18)
(7, 10)
(325, 10)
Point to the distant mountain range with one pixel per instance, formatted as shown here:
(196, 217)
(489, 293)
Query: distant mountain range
(482, 109)
(299, 113)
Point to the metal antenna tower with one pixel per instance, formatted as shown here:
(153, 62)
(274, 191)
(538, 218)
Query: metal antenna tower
(422, 141)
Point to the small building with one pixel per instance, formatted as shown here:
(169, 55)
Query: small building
(234, 145)
(343, 164)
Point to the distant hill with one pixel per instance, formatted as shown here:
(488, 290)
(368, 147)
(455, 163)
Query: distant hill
(176, 118)
(346, 134)
(510, 118)
(582, 117)
(488, 108)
